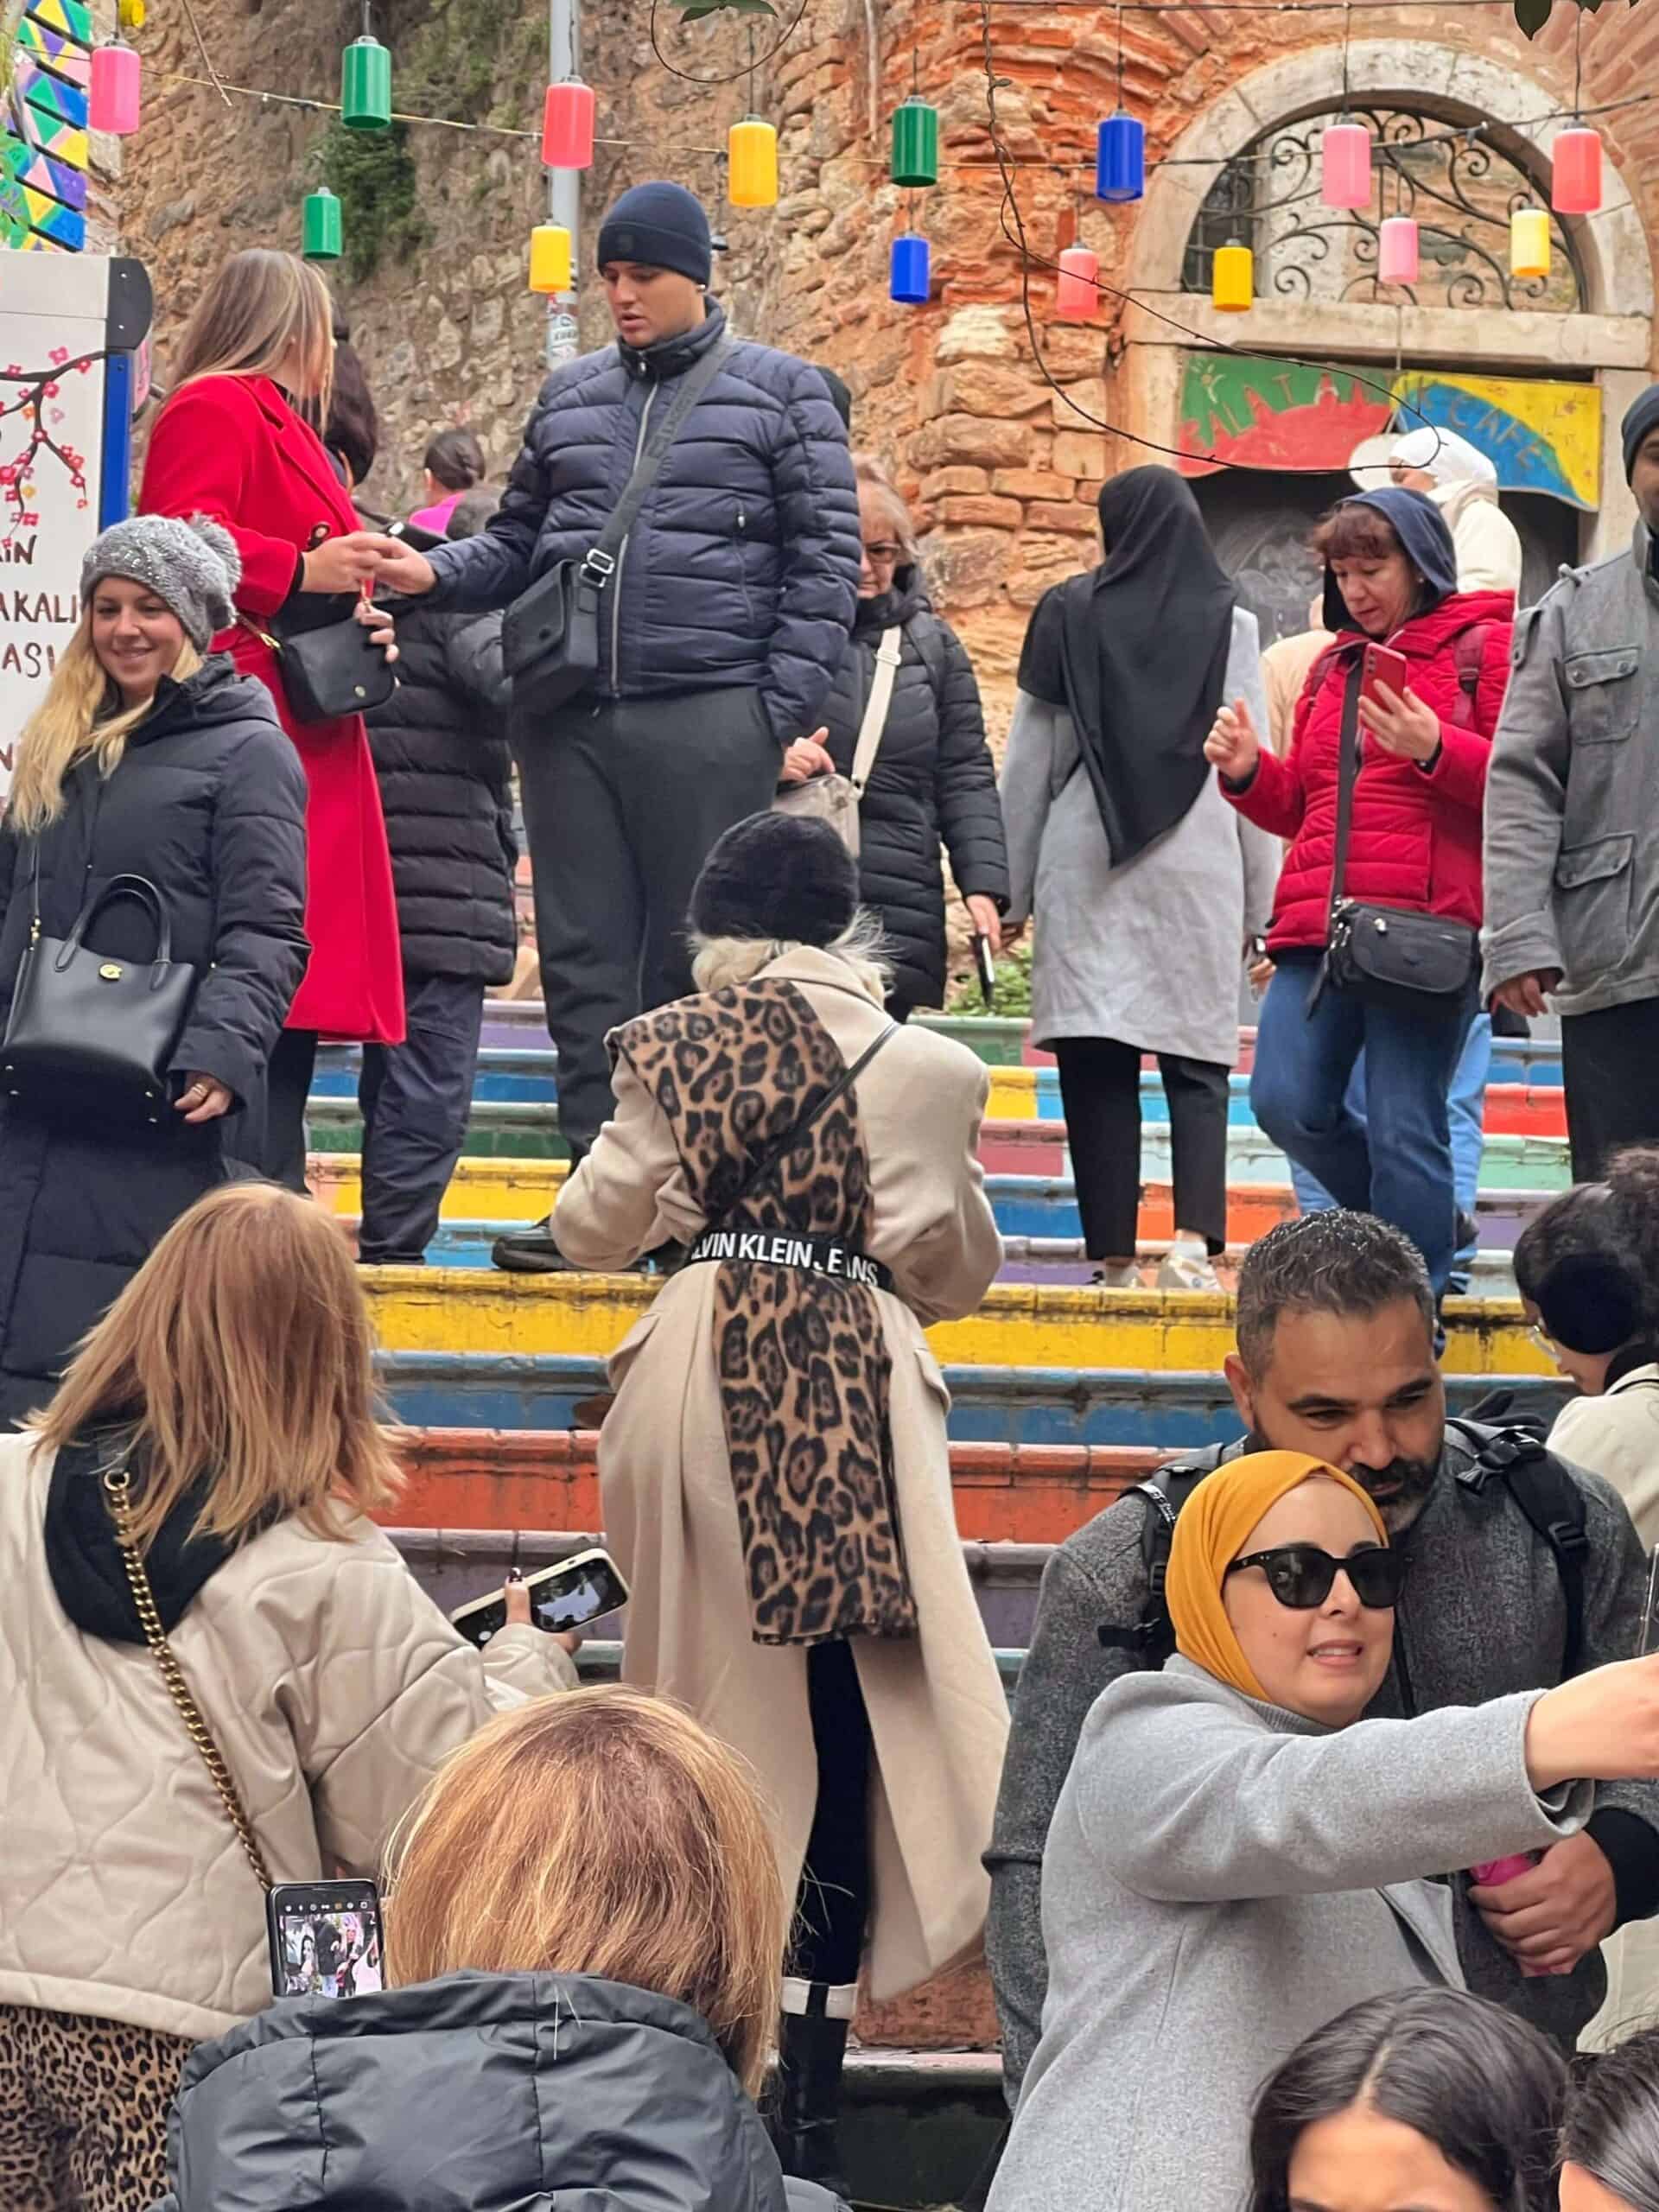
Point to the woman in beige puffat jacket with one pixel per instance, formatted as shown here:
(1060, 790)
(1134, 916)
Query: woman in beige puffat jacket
(776, 1477)
(232, 1379)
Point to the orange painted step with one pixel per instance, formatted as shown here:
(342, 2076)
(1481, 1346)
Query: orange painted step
(532, 1478)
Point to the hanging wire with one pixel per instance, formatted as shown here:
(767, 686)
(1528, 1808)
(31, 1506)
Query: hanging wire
(1120, 56)
(1577, 60)
(915, 73)
(1347, 34)
(732, 76)
(752, 108)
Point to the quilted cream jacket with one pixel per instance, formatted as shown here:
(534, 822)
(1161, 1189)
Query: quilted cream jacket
(334, 1689)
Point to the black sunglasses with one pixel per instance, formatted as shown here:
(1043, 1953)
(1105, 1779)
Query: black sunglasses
(1301, 1575)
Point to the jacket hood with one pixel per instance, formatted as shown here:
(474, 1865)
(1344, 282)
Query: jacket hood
(1425, 533)
(214, 696)
(476, 2093)
(85, 1561)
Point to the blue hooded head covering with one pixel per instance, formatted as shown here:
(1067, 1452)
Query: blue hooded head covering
(1423, 530)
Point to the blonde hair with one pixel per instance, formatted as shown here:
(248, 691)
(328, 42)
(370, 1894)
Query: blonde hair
(726, 964)
(866, 470)
(81, 714)
(602, 1833)
(264, 313)
(239, 1356)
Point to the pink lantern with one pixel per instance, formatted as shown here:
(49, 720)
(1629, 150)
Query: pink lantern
(113, 104)
(1076, 296)
(1345, 165)
(1576, 183)
(567, 126)
(1397, 251)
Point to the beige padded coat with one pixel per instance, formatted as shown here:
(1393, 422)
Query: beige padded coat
(938, 1711)
(334, 1689)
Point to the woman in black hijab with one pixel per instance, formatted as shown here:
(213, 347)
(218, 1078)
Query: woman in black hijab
(1144, 890)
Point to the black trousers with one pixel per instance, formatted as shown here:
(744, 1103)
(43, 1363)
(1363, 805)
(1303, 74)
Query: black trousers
(417, 1099)
(623, 798)
(269, 1134)
(832, 1909)
(1100, 1088)
(1610, 1061)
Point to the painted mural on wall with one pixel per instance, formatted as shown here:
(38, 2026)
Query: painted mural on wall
(43, 150)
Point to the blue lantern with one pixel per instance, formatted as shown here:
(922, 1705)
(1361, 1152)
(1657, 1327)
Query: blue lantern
(912, 280)
(1120, 158)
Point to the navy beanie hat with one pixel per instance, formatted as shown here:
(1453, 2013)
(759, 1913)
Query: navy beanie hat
(1641, 416)
(786, 876)
(662, 226)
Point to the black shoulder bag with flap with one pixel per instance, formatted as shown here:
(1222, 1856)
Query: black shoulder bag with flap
(1385, 956)
(550, 639)
(92, 1038)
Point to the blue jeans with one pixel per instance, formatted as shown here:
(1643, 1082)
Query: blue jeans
(1394, 1159)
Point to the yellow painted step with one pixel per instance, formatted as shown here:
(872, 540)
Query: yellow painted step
(479, 1190)
(477, 1309)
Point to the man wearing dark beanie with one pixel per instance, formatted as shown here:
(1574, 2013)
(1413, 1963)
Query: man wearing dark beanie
(1571, 837)
(721, 627)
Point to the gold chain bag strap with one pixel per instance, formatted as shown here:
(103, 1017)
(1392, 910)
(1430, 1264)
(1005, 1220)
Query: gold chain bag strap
(117, 1489)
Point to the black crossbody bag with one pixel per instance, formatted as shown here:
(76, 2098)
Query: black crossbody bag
(1385, 956)
(550, 639)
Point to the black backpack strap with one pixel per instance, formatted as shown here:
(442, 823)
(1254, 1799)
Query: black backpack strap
(1151, 1639)
(1541, 1486)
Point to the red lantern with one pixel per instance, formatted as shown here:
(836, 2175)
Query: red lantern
(567, 126)
(1078, 294)
(112, 102)
(1576, 180)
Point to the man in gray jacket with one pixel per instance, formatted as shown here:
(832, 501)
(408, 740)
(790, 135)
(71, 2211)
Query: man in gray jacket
(1572, 859)
(1336, 1357)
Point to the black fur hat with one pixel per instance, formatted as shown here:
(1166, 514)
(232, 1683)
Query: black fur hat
(777, 876)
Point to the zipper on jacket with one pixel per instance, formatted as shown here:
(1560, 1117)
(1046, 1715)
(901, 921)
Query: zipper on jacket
(622, 554)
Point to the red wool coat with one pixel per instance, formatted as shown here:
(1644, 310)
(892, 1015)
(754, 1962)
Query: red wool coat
(1415, 838)
(233, 448)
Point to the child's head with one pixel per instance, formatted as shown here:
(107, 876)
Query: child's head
(1578, 1269)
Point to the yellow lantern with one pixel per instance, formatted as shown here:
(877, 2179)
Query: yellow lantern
(550, 259)
(1232, 278)
(751, 164)
(1530, 242)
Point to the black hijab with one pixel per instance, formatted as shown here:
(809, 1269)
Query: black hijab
(1136, 651)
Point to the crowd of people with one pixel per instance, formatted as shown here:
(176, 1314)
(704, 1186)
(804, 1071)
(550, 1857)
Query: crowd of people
(1324, 1829)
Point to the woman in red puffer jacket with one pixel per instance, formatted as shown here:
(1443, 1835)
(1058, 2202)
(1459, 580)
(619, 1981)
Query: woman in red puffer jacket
(1413, 844)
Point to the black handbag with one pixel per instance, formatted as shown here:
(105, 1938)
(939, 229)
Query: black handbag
(551, 636)
(1386, 955)
(330, 666)
(92, 1038)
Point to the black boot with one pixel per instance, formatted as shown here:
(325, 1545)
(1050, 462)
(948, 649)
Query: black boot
(529, 1251)
(806, 2122)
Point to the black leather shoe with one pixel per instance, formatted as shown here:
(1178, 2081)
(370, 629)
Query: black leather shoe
(530, 1252)
(805, 2120)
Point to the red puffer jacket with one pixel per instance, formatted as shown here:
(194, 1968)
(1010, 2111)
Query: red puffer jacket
(1415, 839)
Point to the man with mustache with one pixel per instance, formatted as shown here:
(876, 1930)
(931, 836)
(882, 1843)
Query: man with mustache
(1336, 1357)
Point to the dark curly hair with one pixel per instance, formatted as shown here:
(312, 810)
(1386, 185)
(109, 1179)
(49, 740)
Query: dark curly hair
(1334, 1262)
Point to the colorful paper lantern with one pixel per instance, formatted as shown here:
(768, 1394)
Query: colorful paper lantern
(1529, 243)
(910, 282)
(365, 85)
(1120, 158)
(113, 101)
(568, 125)
(1576, 180)
(751, 164)
(1076, 296)
(1345, 165)
(1232, 278)
(1399, 252)
(321, 234)
(915, 143)
(550, 259)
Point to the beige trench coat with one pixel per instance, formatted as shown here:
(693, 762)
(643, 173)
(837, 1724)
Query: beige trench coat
(937, 1713)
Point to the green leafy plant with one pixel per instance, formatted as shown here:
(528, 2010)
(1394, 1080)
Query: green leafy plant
(1011, 994)
(1533, 15)
(373, 173)
(693, 11)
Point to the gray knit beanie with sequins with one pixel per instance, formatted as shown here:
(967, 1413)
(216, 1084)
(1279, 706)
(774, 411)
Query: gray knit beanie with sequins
(193, 566)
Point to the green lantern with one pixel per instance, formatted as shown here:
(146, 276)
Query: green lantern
(322, 239)
(915, 143)
(365, 85)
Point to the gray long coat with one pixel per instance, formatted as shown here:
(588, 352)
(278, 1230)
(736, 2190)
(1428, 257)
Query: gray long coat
(1149, 953)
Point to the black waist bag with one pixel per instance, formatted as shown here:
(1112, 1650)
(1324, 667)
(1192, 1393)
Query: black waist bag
(550, 638)
(91, 1039)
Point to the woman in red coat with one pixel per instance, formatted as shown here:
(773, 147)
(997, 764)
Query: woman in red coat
(1413, 844)
(236, 442)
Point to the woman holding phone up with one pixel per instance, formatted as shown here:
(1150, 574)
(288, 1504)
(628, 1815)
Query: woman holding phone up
(1414, 845)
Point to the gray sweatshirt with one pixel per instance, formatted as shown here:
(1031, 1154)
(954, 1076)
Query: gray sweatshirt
(1572, 863)
(1222, 1879)
(1481, 1617)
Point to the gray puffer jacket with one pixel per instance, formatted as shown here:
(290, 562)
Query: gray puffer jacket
(1572, 872)
(476, 2093)
(742, 568)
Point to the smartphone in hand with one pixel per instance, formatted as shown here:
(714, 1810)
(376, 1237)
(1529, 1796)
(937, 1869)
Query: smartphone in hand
(1382, 666)
(985, 961)
(568, 1595)
(326, 1939)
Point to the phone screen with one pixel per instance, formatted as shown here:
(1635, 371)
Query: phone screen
(326, 1940)
(561, 1605)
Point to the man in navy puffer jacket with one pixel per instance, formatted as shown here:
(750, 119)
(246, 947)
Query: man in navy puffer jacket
(721, 630)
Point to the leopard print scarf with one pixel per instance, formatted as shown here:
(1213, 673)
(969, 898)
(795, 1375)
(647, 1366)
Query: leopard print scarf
(804, 1373)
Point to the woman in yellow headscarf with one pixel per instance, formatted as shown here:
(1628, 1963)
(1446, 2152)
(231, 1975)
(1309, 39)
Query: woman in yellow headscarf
(1237, 1857)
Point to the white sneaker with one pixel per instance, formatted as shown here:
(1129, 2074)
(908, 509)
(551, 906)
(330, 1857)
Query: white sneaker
(1125, 1276)
(1187, 1266)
